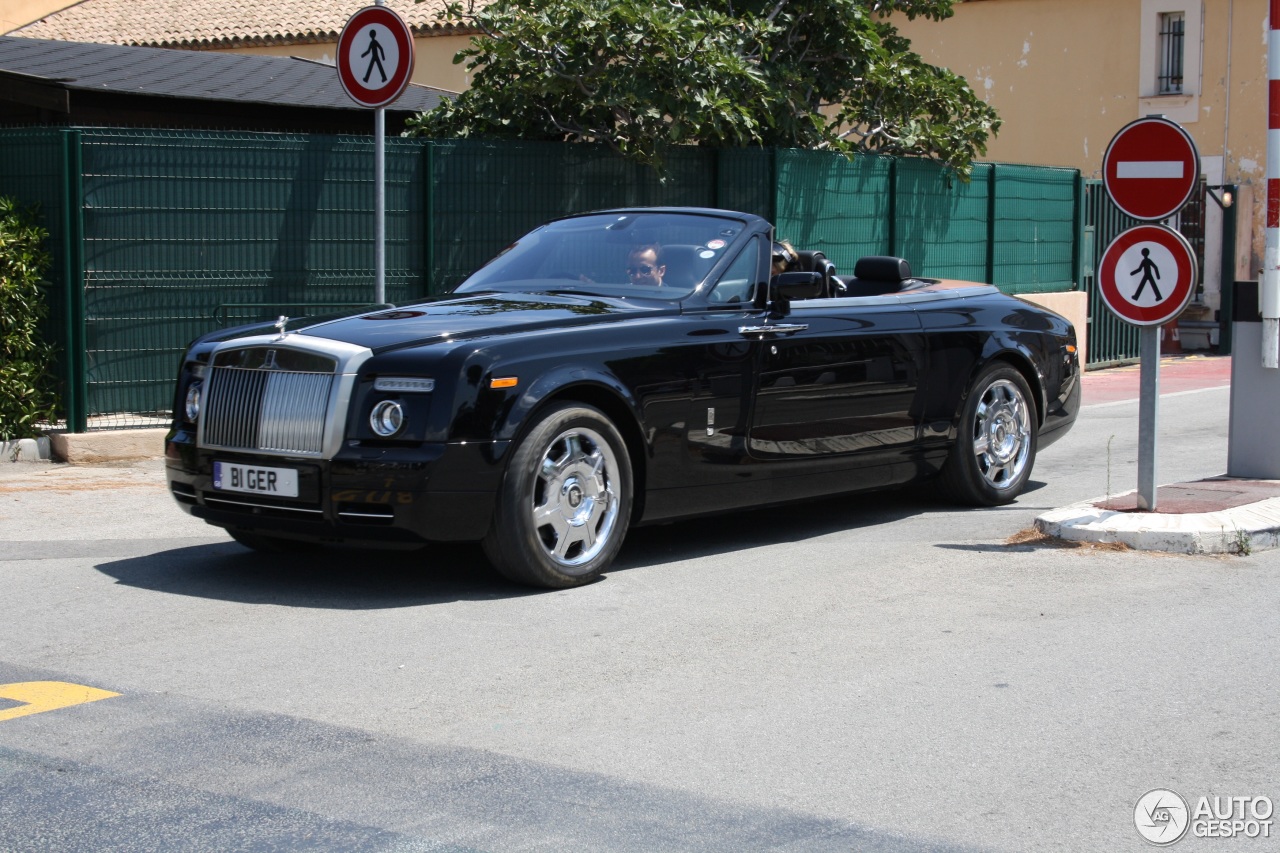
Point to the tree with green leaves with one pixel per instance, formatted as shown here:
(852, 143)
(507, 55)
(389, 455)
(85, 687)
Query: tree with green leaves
(639, 75)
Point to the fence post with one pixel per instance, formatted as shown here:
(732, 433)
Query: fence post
(429, 217)
(73, 280)
(893, 206)
(1077, 248)
(991, 224)
(1226, 306)
(774, 179)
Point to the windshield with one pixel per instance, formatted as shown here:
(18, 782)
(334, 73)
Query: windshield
(653, 255)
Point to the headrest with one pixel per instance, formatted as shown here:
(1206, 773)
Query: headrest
(810, 261)
(882, 268)
(684, 269)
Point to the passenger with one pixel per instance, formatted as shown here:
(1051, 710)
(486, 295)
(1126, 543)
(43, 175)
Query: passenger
(644, 265)
(785, 257)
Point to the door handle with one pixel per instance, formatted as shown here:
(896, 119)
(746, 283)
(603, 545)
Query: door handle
(773, 329)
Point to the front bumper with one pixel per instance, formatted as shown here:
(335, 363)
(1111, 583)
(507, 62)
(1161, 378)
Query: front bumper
(385, 496)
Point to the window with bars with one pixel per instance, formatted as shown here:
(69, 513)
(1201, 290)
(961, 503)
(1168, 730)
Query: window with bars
(1172, 40)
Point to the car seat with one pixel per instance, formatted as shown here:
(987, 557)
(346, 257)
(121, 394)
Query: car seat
(876, 275)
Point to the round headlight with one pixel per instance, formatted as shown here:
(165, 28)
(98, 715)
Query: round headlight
(192, 406)
(386, 418)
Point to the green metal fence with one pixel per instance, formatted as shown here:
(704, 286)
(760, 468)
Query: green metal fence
(164, 235)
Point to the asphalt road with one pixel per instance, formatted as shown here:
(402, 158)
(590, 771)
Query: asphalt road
(882, 673)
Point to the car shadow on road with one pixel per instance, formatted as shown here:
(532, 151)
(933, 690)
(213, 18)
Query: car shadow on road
(365, 579)
(321, 578)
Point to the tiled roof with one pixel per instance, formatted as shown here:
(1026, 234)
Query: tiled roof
(116, 69)
(219, 23)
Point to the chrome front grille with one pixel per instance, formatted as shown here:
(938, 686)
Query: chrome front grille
(281, 411)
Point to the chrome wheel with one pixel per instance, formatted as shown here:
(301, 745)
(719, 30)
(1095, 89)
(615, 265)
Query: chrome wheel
(996, 439)
(565, 502)
(1002, 435)
(574, 506)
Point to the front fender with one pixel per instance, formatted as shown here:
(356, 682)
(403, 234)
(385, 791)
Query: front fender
(591, 385)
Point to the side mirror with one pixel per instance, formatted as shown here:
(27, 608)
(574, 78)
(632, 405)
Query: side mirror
(796, 285)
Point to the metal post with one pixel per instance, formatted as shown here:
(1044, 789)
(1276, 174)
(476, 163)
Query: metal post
(1148, 410)
(1226, 309)
(77, 383)
(379, 207)
(991, 223)
(429, 219)
(1270, 296)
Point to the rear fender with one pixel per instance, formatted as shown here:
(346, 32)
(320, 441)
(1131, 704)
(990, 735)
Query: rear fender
(1021, 357)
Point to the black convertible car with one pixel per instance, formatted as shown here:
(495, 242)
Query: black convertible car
(610, 370)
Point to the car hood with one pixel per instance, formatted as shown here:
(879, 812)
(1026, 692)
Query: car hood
(480, 315)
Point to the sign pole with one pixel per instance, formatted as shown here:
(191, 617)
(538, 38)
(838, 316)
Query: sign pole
(379, 202)
(379, 207)
(375, 63)
(1269, 297)
(1148, 273)
(1148, 415)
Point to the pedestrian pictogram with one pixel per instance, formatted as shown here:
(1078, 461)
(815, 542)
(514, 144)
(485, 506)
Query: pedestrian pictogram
(1147, 275)
(375, 56)
(378, 53)
(1147, 268)
(1151, 168)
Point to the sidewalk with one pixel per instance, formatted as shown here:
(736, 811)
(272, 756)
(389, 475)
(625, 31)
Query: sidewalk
(1218, 515)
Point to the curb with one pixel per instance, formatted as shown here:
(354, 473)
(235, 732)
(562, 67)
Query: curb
(1239, 530)
(27, 450)
(118, 445)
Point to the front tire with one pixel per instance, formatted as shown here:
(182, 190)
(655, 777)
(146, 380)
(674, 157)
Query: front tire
(995, 448)
(565, 500)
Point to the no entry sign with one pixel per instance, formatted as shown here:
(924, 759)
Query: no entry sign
(1151, 168)
(375, 56)
(1147, 275)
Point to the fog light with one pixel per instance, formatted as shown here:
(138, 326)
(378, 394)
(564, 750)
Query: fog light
(192, 407)
(386, 418)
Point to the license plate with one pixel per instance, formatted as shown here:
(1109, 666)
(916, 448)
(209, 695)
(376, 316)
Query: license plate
(255, 479)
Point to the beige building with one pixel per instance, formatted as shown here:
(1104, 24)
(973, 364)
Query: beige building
(305, 28)
(1066, 75)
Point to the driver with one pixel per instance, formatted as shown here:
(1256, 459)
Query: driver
(644, 265)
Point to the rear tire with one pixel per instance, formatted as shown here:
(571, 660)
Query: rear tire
(565, 501)
(995, 447)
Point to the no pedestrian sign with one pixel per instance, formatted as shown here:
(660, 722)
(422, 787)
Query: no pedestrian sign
(1147, 275)
(1151, 168)
(375, 56)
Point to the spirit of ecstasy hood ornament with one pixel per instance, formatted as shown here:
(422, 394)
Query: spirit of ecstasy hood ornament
(280, 324)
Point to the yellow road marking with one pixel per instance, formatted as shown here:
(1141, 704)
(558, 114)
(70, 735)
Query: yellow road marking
(40, 696)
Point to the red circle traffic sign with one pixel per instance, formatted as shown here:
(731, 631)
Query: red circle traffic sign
(375, 56)
(1147, 275)
(1150, 168)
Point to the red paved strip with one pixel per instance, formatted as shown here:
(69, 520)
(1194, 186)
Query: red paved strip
(1211, 495)
(1177, 374)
